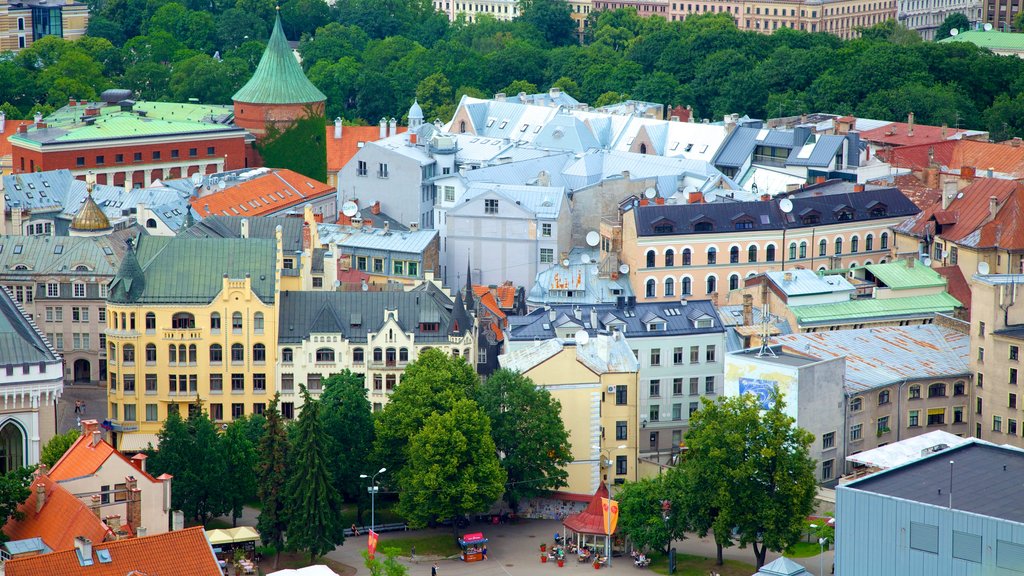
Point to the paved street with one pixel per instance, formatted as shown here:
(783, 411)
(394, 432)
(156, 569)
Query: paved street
(95, 398)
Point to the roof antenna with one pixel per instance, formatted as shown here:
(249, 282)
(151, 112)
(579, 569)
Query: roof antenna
(951, 484)
(766, 333)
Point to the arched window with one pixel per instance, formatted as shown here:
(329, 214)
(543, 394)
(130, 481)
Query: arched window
(803, 249)
(236, 322)
(734, 281)
(182, 355)
(734, 255)
(937, 390)
(172, 354)
(670, 258)
(357, 356)
(378, 355)
(884, 241)
(257, 323)
(712, 284)
(287, 355)
(181, 321)
(216, 354)
(128, 353)
(687, 256)
(769, 253)
(12, 448)
(390, 356)
(643, 148)
(259, 353)
(854, 245)
(150, 353)
(712, 255)
(686, 286)
(839, 246)
(462, 126)
(650, 258)
(823, 247)
(215, 322)
(324, 355)
(403, 354)
(150, 223)
(150, 321)
(670, 287)
(192, 356)
(650, 288)
(856, 404)
(869, 242)
(792, 250)
(237, 353)
(455, 352)
(752, 253)
(883, 397)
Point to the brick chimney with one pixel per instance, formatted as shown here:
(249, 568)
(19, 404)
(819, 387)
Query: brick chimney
(714, 298)
(94, 504)
(139, 461)
(97, 437)
(910, 124)
(375, 209)
(858, 187)
(134, 518)
(307, 236)
(993, 206)
(40, 497)
(113, 522)
(748, 309)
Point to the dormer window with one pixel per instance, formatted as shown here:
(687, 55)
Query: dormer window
(656, 327)
(745, 224)
(703, 226)
(704, 323)
(663, 226)
(810, 216)
(429, 326)
(844, 213)
(876, 209)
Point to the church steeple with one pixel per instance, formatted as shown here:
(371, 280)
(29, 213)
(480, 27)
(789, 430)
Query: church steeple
(470, 303)
(279, 78)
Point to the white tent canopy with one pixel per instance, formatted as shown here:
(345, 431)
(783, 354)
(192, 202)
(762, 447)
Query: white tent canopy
(316, 570)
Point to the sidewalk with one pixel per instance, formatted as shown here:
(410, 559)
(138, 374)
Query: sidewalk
(95, 398)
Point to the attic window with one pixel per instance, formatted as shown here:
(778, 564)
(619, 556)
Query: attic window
(703, 226)
(430, 326)
(844, 213)
(704, 323)
(656, 327)
(537, 129)
(745, 224)
(503, 124)
(878, 210)
(490, 122)
(688, 147)
(58, 249)
(663, 228)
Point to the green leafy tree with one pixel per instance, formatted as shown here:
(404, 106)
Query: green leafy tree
(191, 451)
(435, 382)
(315, 522)
(57, 446)
(518, 86)
(389, 566)
(1005, 118)
(434, 94)
(552, 18)
(1018, 22)
(647, 515)
(271, 478)
(528, 432)
(453, 467)
(303, 17)
(14, 490)
(891, 32)
(332, 43)
(348, 422)
(240, 452)
(302, 147)
(956, 20)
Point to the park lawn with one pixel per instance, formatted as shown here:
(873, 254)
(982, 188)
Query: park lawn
(690, 565)
(429, 545)
(804, 550)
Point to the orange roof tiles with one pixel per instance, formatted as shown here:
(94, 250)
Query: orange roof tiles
(917, 191)
(262, 195)
(488, 300)
(1006, 230)
(340, 151)
(84, 459)
(61, 519)
(967, 213)
(1004, 158)
(181, 552)
(898, 134)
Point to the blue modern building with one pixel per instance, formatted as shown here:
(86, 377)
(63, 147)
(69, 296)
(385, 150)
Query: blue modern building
(955, 512)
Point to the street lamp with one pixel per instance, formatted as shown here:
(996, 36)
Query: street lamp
(821, 555)
(372, 489)
(606, 461)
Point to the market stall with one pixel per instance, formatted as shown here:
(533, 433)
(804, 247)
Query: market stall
(586, 535)
(474, 547)
(226, 541)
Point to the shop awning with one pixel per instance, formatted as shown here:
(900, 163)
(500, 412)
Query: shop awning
(474, 538)
(137, 442)
(232, 535)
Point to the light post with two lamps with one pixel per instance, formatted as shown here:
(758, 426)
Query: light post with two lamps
(372, 489)
(821, 552)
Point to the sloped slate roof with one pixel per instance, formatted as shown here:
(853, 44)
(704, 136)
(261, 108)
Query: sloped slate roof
(20, 342)
(279, 78)
(303, 312)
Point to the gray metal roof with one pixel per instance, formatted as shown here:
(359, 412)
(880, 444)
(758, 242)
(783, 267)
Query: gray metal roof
(821, 153)
(679, 319)
(20, 341)
(587, 285)
(808, 282)
(376, 239)
(604, 353)
(219, 226)
(301, 312)
(985, 477)
(544, 201)
(60, 255)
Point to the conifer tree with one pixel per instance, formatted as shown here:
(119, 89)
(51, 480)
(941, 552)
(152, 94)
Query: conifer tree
(315, 521)
(272, 475)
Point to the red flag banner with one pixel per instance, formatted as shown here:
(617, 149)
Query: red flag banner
(371, 543)
(610, 509)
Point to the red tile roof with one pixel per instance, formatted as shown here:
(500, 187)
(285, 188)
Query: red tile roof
(1006, 230)
(262, 195)
(967, 213)
(591, 520)
(185, 552)
(61, 519)
(488, 300)
(1002, 158)
(957, 286)
(84, 459)
(339, 152)
(898, 134)
(917, 191)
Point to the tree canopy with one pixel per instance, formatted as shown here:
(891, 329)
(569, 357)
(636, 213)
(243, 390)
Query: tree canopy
(191, 450)
(348, 423)
(57, 446)
(14, 490)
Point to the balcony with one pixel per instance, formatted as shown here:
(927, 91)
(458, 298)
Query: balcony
(386, 364)
(769, 160)
(183, 335)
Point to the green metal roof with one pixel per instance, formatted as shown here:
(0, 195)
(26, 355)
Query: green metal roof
(279, 78)
(993, 40)
(898, 276)
(20, 342)
(185, 270)
(874, 308)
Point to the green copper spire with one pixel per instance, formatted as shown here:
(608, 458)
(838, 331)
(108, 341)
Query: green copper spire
(279, 78)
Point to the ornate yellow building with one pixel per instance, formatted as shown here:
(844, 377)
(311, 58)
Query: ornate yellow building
(191, 321)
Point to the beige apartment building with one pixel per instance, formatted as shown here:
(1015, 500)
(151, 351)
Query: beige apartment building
(24, 22)
(839, 17)
(997, 338)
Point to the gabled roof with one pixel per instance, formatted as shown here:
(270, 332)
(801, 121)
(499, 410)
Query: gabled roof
(955, 155)
(911, 306)
(968, 211)
(957, 286)
(591, 519)
(179, 552)
(1006, 230)
(84, 459)
(900, 275)
(341, 150)
(21, 342)
(898, 134)
(62, 518)
(263, 194)
(58, 255)
(327, 322)
(279, 78)
(219, 226)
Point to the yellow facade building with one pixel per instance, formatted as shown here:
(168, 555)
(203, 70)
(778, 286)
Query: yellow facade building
(23, 22)
(190, 322)
(595, 380)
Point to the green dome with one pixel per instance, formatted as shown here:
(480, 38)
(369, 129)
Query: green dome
(279, 78)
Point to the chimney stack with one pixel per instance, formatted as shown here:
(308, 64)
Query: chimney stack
(593, 318)
(375, 209)
(393, 127)
(245, 228)
(577, 313)
(3, 120)
(945, 130)
(94, 504)
(748, 309)
(307, 236)
(1015, 142)
(949, 190)
(140, 532)
(40, 496)
(134, 518)
(139, 461)
(38, 117)
(337, 128)
(552, 314)
(83, 547)
(787, 277)
(858, 187)
(993, 206)
(383, 128)
(97, 437)
(910, 124)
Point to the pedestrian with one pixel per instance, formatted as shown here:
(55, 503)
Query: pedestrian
(78, 406)
(412, 553)
(485, 551)
(355, 531)
(433, 569)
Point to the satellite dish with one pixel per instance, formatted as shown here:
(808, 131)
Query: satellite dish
(624, 269)
(593, 238)
(988, 27)
(786, 205)
(585, 258)
(565, 262)
(197, 179)
(650, 193)
(358, 215)
(926, 261)
(983, 268)
(349, 208)
(221, 185)
(365, 287)
(953, 31)
(582, 337)
(710, 196)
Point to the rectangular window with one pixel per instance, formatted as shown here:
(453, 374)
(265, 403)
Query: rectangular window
(967, 546)
(958, 415)
(193, 152)
(855, 431)
(101, 160)
(156, 155)
(620, 465)
(361, 168)
(259, 383)
(694, 354)
(449, 193)
(914, 418)
(655, 356)
(828, 440)
(924, 537)
(655, 388)
(694, 386)
(128, 383)
(997, 423)
(545, 230)
(710, 353)
(238, 382)
(677, 356)
(237, 411)
(1014, 353)
(150, 383)
(490, 206)
(621, 430)
(677, 411)
(1013, 375)
(288, 410)
(152, 412)
(826, 469)
(210, 151)
(654, 413)
(175, 153)
(547, 255)
(216, 383)
(129, 412)
(883, 425)
(216, 412)
(382, 170)
(621, 395)
(1012, 401)
(1009, 555)
(137, 157)
(53, 290)
(677, 386)
(709, 384)
(313, 381)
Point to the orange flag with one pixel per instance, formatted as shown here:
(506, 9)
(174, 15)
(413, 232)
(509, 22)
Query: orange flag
(610, 508)
(371, 543)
